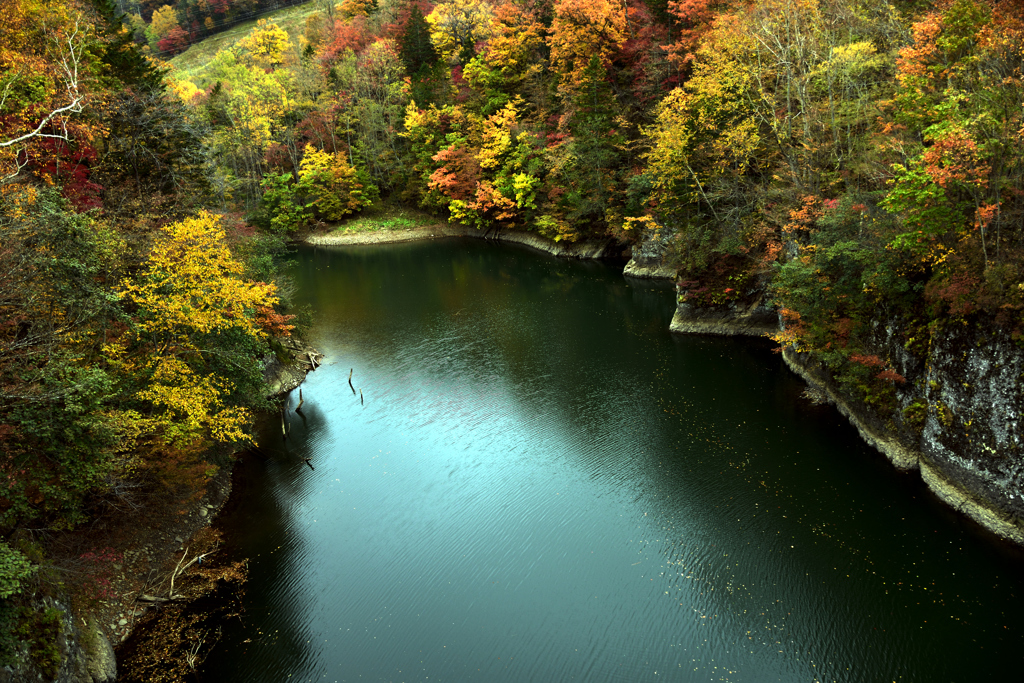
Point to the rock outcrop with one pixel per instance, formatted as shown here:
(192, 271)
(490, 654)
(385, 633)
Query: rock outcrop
(86, 654)
(754, 319)
(957, 420)
(651, 258)
(286, 369)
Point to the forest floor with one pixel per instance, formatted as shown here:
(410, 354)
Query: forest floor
(116, 570)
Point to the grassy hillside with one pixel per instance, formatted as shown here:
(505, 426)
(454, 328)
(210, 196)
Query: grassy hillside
(191, 64)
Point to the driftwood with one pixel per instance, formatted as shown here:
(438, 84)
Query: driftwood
(350, 381)
(178, 569)
(298, 408)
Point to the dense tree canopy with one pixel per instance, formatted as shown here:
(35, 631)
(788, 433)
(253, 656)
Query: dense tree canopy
(132, 334)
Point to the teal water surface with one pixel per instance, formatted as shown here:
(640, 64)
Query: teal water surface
(539, 482)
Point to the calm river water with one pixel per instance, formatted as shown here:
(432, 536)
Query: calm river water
(540, 483)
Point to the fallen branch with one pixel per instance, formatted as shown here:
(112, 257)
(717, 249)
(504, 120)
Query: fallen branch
(192, 657)
(179, 569)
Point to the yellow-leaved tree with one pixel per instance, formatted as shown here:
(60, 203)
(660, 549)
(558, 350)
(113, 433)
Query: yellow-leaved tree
(266, 46)
(196, 319)
(333, 185)
(165, 20)
(457, 26)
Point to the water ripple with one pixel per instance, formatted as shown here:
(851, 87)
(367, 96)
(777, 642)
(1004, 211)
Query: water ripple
(540, 484)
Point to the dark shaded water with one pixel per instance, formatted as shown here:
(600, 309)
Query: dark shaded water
(543, 484)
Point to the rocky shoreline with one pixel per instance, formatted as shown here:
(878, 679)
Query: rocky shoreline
(588, 249)
(966, 401)
(282, 377)
(151, 541)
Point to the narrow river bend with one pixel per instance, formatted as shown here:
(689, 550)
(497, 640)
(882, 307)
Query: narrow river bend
(540, 483)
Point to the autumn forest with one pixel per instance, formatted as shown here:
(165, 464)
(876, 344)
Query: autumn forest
(845, 160)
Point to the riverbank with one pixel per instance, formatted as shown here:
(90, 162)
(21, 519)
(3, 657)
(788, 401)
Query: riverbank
(962, 445)
(179, 624)
(99, 576)
(134, 603)
(342, 235)
(505, 389)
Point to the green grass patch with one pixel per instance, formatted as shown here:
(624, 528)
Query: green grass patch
(191, 64)
(387, 218)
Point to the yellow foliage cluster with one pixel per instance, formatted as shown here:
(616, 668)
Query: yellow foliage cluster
(582, 29)
(332, 183)
(496, 138)
(456, 26)
(192, 405)
(191, 286)
(165, 20)
(267, 44)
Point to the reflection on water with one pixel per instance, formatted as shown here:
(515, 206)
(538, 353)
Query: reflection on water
(544, 485)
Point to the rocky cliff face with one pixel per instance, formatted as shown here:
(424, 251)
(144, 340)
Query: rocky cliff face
(957, 421)
(86, 655)
(649, 259)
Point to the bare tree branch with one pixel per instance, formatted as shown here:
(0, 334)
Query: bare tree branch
(69, 51)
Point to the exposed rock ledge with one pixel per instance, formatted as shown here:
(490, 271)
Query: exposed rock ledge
(650, 256)
(648, 270)
(283, 377)
(963, 482)
(754, 320)
(590, 249)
